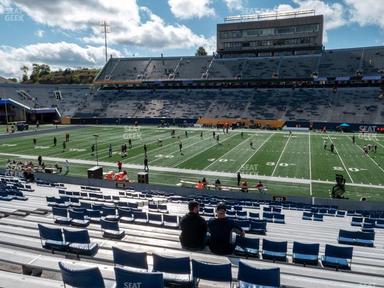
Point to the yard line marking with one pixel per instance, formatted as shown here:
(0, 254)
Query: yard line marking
(262, 144)
(225, 154)
(281, 155)
(310, 163)
(177, 150)
(197, 153)
(342, 162)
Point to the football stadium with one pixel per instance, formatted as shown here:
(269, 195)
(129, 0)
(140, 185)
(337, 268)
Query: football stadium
(261, 165)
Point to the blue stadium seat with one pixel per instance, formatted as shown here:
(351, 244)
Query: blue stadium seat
(81, 277)
(79, 242)
(171, 221)
(109, 213)
(258, 227)
(268, 216)
(251, 277)
(78, 219)
(357, 221)
(93, 216)
(318, 217)
(176, 270)
(111, 229)
(52, 238)
(241, 214)
(125, 215)
(305, 253)
(127, 278)
(254, 216)
(211, 272)
(247, 246)
(337, 257)
(274, 250)
(140, 217)
(130, 260)
(244, 224)
(307, 215)
(278, 218)
(61, 216)
(162, 208)
(155, 219)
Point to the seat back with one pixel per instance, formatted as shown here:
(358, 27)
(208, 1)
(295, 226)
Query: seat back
(275, 246)
(61, 212)
(365, 235)
(48, 233)
(170, 218)
(211, 272)
(124, 212)
(347, 234)
(155, 217)
(175, 265)
(108, 211)
(254, 215)
(88, 277)
(338, 251)
(304, 248)
(76, 236)
(76, 215)
(93, 213)
(130, 258)
(246, 242)
(139, 215)
(126, 278)
(109, 225)
(259, 277)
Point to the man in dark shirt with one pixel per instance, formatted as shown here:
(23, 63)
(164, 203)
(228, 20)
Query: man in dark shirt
(193, 228)
(221, 229)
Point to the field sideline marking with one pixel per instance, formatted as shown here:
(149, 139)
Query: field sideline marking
(202, 151)
(342, 162)
(310, 163)
(242, 142)
(262, 144)
(281, 155)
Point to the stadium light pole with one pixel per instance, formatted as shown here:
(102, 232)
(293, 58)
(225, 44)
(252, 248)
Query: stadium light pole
(105, 26)
(97, 152)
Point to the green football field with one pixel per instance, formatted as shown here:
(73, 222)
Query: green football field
(295, 164)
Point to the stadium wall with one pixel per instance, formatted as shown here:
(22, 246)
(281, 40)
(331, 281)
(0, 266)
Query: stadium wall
(187, 192)
(131, 121)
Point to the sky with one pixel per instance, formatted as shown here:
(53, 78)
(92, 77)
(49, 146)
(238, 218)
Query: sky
(67, 33)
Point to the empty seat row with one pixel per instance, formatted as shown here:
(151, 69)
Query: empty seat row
(274, 217)
(131, 268)
(73, 241)
(303, 253)
(312, 216)
(356, 238)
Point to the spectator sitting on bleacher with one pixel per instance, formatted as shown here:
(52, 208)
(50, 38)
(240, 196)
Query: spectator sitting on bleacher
(244, 186)
(204, 181)
(260, 187)
(199, 185)
(193, 228)
(217, 184)
(221, 229)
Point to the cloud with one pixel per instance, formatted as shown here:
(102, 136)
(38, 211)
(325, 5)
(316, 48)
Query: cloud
(130, 23)
(57, 55)
(186, 9)
(235, 4)
(367, 12)
(40, 33)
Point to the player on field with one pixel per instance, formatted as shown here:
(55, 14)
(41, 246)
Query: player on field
(181, 147)
(242, 134)
(93, 149)
(332, 147)
(110, 151)
(251, 144)
(159, 142)
(325, 144)
(129, 143)
(214, 134)
(145, 149)
(66, 166)
(186, 134)
(369, 146)
(365, 149)
(34, 141)
(201, 134)
(218, 138)
(119, 165)
(375, 148)
(353, 139)
(54, 141)
(67, 137)
(173, 132)
(146, 169)
(64, 146)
